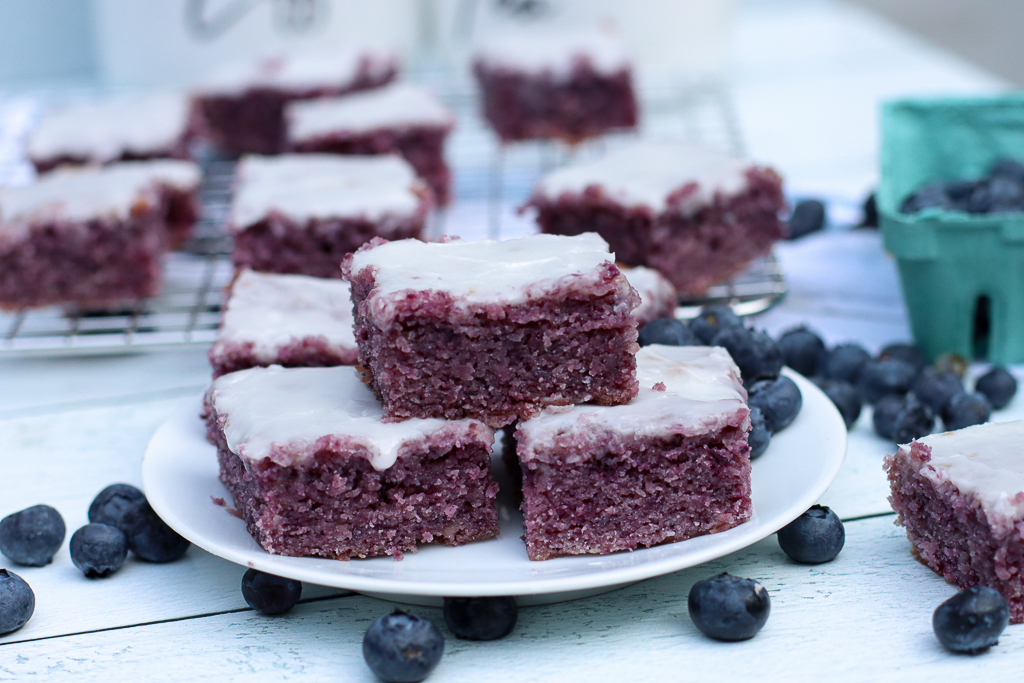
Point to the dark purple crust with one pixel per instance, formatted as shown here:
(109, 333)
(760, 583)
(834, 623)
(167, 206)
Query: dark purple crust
(950, 531)
(253, 122)
(95, 264)
(307, 352)
(692, 251)
(635, 491)
(499, 362)
(522, 106)
(338, 506)
(421, 146)
(178, 151)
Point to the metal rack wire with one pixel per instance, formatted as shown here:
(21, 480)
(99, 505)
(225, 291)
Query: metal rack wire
(492, 182)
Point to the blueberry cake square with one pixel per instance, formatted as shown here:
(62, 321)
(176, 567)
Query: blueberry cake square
(314, 471)
(493, 330)
(177, 186)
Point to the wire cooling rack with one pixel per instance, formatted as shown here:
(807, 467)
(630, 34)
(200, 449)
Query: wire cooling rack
(491, 183)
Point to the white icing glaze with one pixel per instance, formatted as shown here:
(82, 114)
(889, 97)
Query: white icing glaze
(645, 173)
(300, 71)
(305, 186)
(103, 131)
(266, 407)
(399, 104)
(271, 311)
(703, 393)
(481, 271)
(173, 173)
(652, 286)
(552, 51)
(986, 461)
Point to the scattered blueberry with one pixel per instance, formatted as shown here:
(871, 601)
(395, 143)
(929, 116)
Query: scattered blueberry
(998, 386)
(711, 320)
(32, 536)
(726, 607)
(779, 400)
(668, 331)
(885, 413)
(964, 410)
(481, 618)
(845, 362)
(808, 216)
(971, 621)
(880, 378)
(269, 594)
(908, 353)
(914, 420)
(937, 388)
(149, 537)
(109, 504)
(845, 397)
(17, 602)
(755, 353)
(98, 550)
(802, 350)
(814, 537)
(402, 648)
(759, 436)
(869, 209)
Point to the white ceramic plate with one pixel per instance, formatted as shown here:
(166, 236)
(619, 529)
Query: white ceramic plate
(179, 472)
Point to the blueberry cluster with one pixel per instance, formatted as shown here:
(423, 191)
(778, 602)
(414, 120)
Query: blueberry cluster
(1000, 191)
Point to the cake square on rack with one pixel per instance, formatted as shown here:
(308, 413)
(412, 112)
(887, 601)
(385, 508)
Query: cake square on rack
(288, 320)
(493, 330)
(960, 496)
(695, 214)
(177, 183)
(302, 213)
(399, 118)
(314, 471)
(671, 464)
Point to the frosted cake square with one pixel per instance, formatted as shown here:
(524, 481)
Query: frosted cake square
(315, 472)
(493, 330)
(288, 320)
(177, 184)
(399, 118)
(960, 496)
(658, 297)
(671, 464)
(694, 214)
(302, 213)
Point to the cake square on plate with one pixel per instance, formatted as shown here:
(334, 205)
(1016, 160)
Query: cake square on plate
(288, 320)
(302, 213)
(960, 496)
(694, 214)
(399, 118)
(546, 84)
(314, 471)
(493, 330)
(671, 464)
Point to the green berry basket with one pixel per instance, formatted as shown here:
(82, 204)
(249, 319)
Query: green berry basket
(962, 274)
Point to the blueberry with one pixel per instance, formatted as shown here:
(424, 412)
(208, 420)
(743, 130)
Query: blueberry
(778, 399)
(802, 350)
(1005, 195)
(711, 320)
(668, 331)
(931, 195)
(726, 607)
(979, 201)
(964, 410)
(880, 378)
(269, 594)
(936, 388)
(908, 353)
(149, 537)
(971, 621)
(808, 216)
(17, 602)
(1010, 169)
(755, 353)
(481, 618)
(814, 537)
(998, 386)
(402, 648)
(32, 536)
(869, 209)
(98, 550)
(759, 436)
(961, 191)
(885, 413)
(914, 420)
(845, 397)
(109, 504)
(845, 362)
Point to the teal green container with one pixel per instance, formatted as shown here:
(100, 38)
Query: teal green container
(962, 274)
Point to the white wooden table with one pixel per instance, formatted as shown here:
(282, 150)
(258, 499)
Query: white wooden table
(808, 78)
